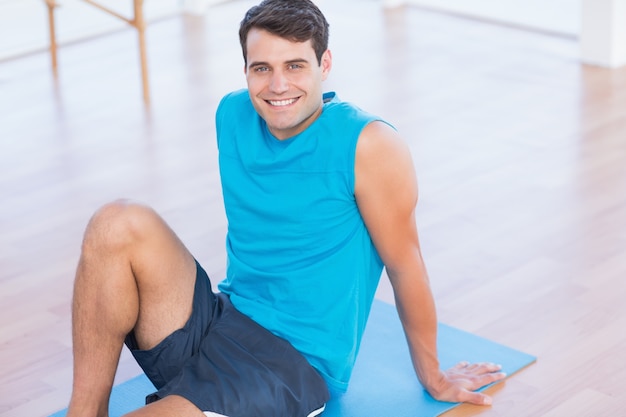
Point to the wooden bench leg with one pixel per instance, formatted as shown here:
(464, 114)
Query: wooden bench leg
(140, 24)
(53, 38)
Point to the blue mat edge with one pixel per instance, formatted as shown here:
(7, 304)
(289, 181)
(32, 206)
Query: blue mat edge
(416, 401)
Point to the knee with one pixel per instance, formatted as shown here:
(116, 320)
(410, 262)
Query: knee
(118, 224)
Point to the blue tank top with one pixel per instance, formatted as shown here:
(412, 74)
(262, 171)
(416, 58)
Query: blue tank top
(300, 260)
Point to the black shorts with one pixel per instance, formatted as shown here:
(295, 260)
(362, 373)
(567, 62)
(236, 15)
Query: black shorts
(225, 363)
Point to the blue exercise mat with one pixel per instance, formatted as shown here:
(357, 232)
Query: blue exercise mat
(383, 381)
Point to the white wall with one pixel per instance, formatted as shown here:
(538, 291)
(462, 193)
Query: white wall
(603, 32)
(600, 25)
(560, 17)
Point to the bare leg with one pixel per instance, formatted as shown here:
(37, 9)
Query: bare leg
(133, 273)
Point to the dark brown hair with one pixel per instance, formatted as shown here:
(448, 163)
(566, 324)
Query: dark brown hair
(294, 20)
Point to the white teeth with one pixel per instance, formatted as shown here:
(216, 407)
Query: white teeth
(280, 103)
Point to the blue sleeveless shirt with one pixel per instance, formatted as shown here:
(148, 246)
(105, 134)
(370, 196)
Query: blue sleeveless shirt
(300, 260)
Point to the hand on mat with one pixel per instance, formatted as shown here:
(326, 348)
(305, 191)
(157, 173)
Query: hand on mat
(458, 383)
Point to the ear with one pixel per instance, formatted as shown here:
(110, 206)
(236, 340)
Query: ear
(245, 69)
(326, 64)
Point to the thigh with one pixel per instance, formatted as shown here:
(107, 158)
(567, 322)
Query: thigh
(164, 362)
(129, 239)
(166, 273)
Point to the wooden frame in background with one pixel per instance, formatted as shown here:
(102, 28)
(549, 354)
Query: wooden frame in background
(138, 22)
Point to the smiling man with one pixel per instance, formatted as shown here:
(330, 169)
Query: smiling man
(320, 197)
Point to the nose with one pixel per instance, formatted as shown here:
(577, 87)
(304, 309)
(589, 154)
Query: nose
(278, 83)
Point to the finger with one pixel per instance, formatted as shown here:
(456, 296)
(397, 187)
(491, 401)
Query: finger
(461, 365)
(492, 377)
(492, 367)
(484, 367)
(483, 380)
(476, 398)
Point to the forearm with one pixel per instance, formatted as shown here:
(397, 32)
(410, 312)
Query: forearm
(416, 308)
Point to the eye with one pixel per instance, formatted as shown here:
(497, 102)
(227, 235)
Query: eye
(261, 69)
(295, 66)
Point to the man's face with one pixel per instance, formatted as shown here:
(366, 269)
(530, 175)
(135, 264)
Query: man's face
(285, 82)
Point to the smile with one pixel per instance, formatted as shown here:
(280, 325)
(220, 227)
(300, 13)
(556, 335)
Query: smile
(282, 103)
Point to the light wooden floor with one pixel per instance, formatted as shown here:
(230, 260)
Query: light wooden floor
(520, 152)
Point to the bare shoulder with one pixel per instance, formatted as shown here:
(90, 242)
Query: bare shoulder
(383, 160)
(378, 137)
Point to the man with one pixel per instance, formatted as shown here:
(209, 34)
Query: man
(319, 197)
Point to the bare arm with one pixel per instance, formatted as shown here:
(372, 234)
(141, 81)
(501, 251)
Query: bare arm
(386, 193)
